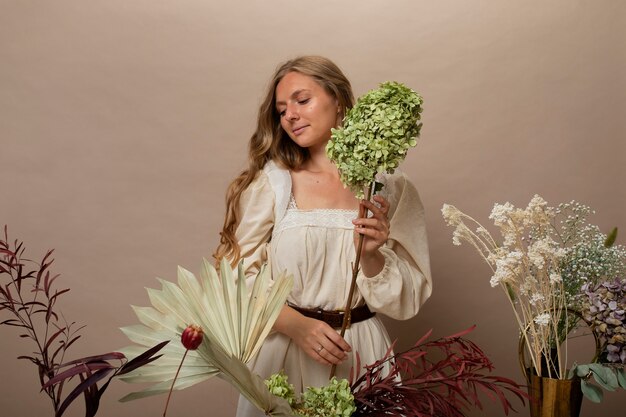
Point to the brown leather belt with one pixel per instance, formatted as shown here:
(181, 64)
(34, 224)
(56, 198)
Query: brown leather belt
(335, 318)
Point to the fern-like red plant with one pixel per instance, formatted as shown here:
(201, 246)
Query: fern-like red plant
(439, 378)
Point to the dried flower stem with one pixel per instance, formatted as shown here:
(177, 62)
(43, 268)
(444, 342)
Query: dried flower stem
(355, 272)
(169, 395)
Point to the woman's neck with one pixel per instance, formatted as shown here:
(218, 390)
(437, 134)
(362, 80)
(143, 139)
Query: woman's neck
(318, 161)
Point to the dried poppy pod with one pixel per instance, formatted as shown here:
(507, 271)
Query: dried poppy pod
(192, 337)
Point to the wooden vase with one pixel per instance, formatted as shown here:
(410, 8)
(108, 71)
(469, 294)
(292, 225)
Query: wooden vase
(554, 397)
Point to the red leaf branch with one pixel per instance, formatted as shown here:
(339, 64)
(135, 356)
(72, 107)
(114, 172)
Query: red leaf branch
(27, 295)
(412, 383)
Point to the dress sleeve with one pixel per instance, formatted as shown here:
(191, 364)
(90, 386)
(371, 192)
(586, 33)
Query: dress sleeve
(404, 283)
(256, 210)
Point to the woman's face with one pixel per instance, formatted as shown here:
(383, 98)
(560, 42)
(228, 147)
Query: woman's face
(307, 112)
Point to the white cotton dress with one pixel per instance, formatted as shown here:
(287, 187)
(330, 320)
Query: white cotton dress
(317, 247)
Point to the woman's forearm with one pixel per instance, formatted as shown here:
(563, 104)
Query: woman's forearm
(372, 264)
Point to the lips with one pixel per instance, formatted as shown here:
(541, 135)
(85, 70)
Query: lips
(298, 130)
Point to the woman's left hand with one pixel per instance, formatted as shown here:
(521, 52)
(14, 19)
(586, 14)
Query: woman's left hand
(375, 230)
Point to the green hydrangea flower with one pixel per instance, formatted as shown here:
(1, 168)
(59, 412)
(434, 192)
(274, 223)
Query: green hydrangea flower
(376, 134)
(332, 400)
(279, 385)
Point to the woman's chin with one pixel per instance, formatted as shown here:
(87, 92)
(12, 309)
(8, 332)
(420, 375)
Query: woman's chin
(309, 142)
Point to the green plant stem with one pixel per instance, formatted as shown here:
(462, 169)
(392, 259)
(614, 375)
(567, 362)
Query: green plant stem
(174, 382)
(355, 272)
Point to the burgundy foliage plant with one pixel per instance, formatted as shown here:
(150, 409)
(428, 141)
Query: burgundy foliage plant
(29, 296)
(440, 378)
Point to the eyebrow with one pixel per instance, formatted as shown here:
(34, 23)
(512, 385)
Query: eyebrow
(294, 94)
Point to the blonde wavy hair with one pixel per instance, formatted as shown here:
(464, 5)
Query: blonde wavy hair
(271, 142)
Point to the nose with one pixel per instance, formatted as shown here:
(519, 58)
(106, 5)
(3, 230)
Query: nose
(291, 113)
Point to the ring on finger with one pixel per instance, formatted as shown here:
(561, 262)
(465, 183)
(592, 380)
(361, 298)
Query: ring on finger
(319, 349)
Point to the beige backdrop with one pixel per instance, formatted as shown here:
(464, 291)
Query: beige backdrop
(122, 121)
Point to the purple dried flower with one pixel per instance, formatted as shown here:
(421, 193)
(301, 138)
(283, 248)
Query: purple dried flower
(604, 309)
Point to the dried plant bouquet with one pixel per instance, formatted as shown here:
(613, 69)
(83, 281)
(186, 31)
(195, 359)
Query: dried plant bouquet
(542, 261)
(235, 322)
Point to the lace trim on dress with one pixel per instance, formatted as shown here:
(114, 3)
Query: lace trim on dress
(329, 218)
(292, 203)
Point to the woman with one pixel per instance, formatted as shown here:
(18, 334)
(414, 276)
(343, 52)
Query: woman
(290, 209)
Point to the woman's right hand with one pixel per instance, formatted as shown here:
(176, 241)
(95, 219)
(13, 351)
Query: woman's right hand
(315, 337)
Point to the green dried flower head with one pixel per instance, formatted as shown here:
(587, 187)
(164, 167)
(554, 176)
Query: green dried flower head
(279, 385)
(332, 400)
(376, 134)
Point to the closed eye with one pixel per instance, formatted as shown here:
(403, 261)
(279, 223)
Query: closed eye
(301, 102)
